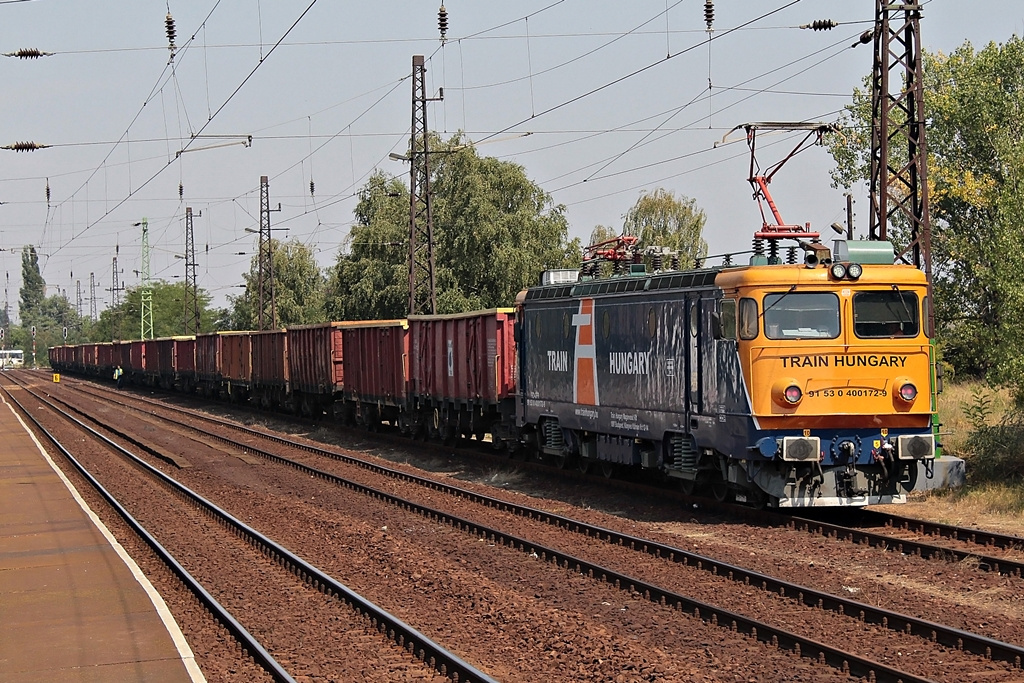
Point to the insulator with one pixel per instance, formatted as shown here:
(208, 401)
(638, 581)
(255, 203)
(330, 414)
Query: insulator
(758, 246)
(47, 191)
(821, 25)
(773, 252)
(25, 146)
(442, 23)
(181, 191)
(864, 39)
(172, 33)
(727, 260)
(657, 261)
(709, 14)
(312, 188)
(791, 255)
(675, 261)
(28, 53)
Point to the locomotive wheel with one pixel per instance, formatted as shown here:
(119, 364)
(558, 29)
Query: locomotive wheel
(562, 460)
(607, 469)
(721, 491)
(584, 465)
(688, 486)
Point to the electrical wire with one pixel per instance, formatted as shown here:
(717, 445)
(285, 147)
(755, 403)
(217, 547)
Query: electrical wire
(638, 71)
(205, 125)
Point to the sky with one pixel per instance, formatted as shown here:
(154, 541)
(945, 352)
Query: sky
(598, 101)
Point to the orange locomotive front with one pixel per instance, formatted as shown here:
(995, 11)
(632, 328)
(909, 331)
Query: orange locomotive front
(837, 364)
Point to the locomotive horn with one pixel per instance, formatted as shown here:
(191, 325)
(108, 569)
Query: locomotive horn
(811, 259)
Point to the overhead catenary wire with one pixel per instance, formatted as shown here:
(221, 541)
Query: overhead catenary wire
(355, 135)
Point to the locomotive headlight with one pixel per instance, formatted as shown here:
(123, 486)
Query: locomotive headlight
(786, 392)
(855, 270)
(905, 390)
(838, 271)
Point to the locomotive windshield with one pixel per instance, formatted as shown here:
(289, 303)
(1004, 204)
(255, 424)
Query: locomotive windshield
(801, 315)
(888, 313)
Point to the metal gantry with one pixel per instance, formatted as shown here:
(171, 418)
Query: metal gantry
(422, 294)
(266, 319)
(92, 297)
(115, 297)
(191, 287)
(147, 292)
(899, 183)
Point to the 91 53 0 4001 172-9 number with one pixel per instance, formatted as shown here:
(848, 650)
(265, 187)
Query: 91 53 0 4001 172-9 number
(856, 393)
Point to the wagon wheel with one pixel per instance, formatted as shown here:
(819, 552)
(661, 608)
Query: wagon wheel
(562, 460)
(607, 469)
(721, 491)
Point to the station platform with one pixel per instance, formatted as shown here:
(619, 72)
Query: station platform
(73, 605)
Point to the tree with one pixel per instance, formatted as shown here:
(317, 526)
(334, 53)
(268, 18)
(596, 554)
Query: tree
(33, 287)
(975, 138)
(169, 301)
(660, 219)
(298, 289)
(494, 232)
(372, 279)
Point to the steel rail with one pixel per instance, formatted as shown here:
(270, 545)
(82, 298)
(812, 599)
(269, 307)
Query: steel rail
(938, 633)
(999, 565)
(426, 650)
(958, 533)
(219, 612)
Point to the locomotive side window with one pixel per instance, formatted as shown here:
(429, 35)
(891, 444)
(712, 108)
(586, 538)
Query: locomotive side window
(928, 331)
(887, 313)
(802, 315)
(748, 318)
(728, 317)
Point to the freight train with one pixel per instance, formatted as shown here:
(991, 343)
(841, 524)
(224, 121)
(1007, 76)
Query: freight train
(777, 384)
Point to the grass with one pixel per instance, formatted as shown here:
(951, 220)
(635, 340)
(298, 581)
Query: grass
(958, 403)
(988, 499)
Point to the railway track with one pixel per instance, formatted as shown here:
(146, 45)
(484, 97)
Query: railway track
(403, 637)
(976, 540)
(955, 639)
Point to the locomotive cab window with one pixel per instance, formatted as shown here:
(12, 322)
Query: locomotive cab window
(727, 316)
(748, 318)
(886, 313)
(801, 315)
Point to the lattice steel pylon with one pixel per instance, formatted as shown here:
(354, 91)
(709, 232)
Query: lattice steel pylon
(147, 292)
(78, 287)
(422, 294)
(899, 184)
(265, 276)
(191, 286)
(92, 297)
(115, 297)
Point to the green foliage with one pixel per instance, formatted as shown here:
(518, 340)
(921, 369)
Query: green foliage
(169, 299)
(996, 453)
(494, 232)
(975, 140)
(298, 289)
(33, 288)
(660, 219)
(979, 410)
(372, 279)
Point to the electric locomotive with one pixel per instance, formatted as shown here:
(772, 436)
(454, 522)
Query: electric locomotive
(789, 385)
